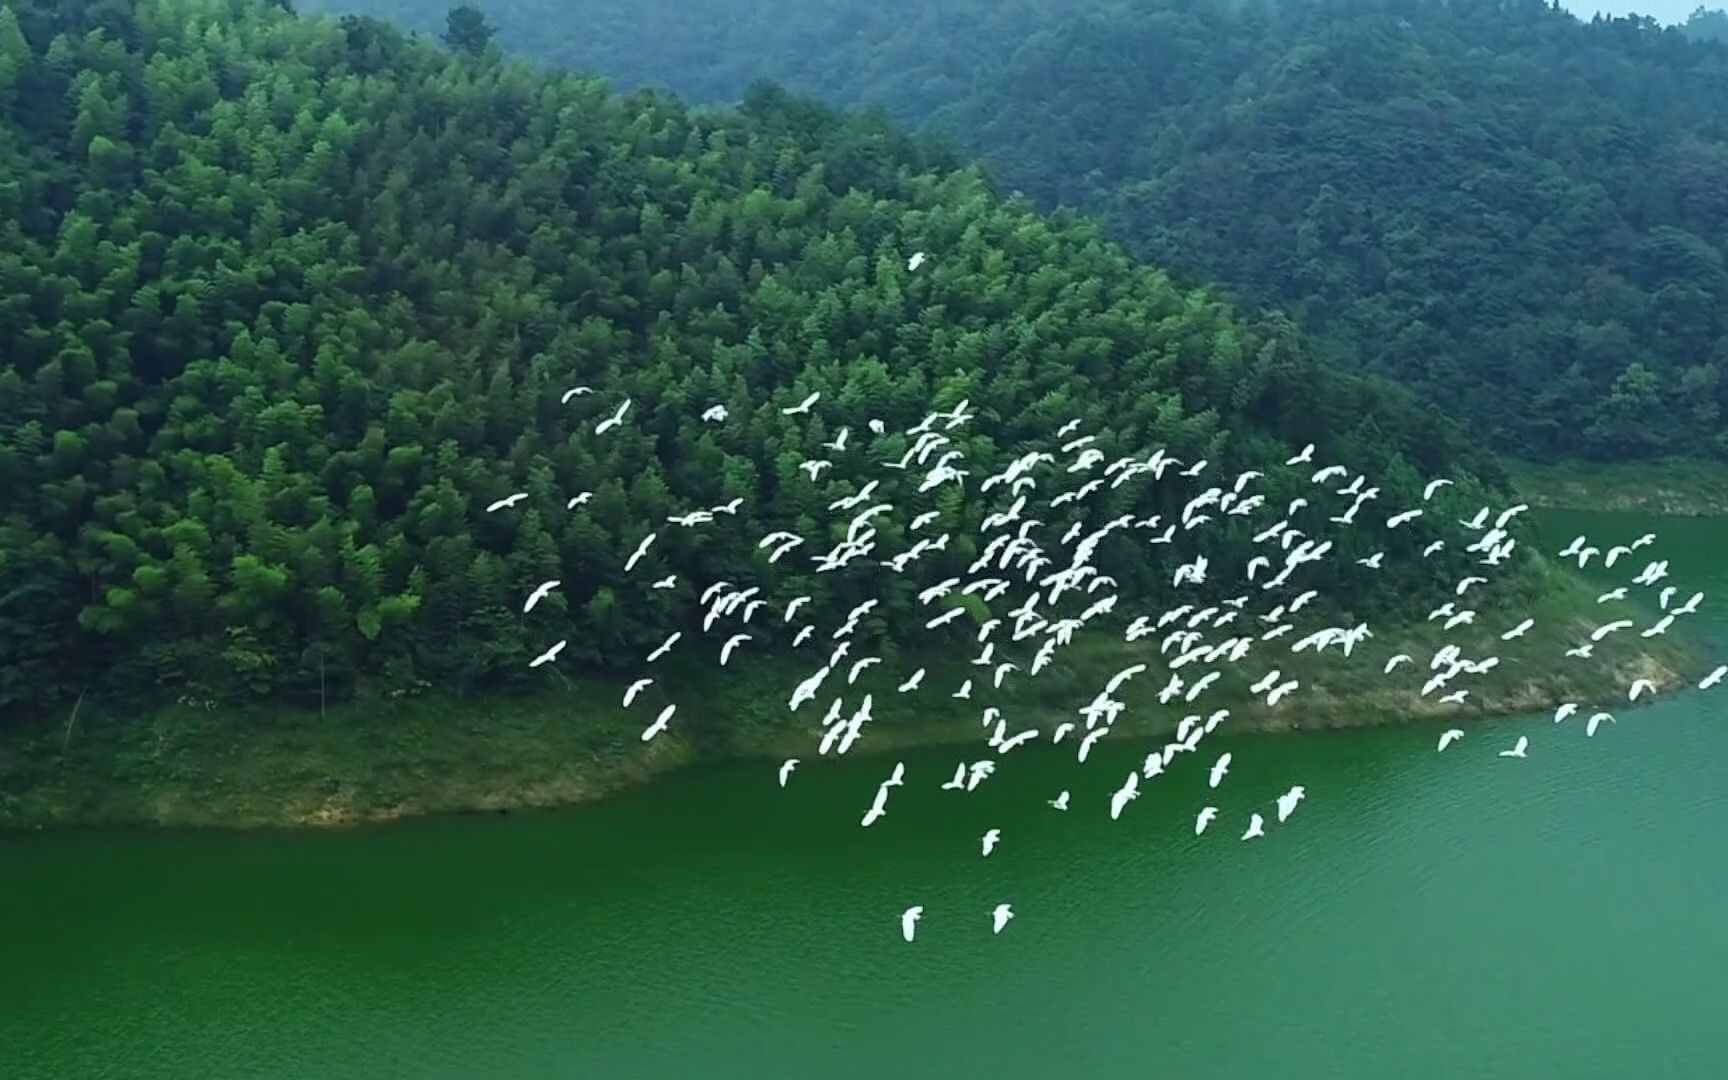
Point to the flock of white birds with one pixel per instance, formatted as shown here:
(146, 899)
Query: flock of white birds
(1060, 591)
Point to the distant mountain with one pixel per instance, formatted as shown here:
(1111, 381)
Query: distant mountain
(1521, 216)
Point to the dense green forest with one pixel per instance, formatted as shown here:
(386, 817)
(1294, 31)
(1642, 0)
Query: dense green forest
(286, 302)
(1519, 215)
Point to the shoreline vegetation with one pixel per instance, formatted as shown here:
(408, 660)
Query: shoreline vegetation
(1676, 487)
(371, 759)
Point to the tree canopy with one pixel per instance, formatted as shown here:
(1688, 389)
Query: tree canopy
(286, 302)
(1520, 215)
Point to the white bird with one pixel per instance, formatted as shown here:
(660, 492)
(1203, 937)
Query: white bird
(1449, 737)
(912, 683)
(909, 921)
(659, 723)
(1399, 519)
(578, 499)
(508, 501)
(915, 261)
(1714, 678)
(540, 593)
(1432, 487)
(574, 391)
(1287, 801)
(549, 655)
(714, 414)
(1219, 768)
(665, 646)
(1595, 722)
(1060, 802)
(636, 688)
(1304, 457)
(1130, 789)
(1518, 751)
(641, 550)
(802, 406)
(991, 836)
(1518, 631)
(667, 582)
(1603, 631)
(731, 643)
(614, 420)
(999, 918)
(1639, 688)
(1401, 658)
(1465, 584)
(786, 768)
(1256, 827)
(877, 808)
(1612, 594)
(1204, 818)
(1564, 711)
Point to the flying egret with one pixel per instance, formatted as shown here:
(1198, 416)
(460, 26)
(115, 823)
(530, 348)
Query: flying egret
(540, 593)
(1204, 818)
(1219, 768)
(1714, 678)
(574, 391)
(1060, 802)
(786, 768)
(636, 688)
(1518, 751)
(549, 655)
(1256, 827)
(508, 501)
(660, 722)
(614, 420)
(999, 918)
(991, 836)
(665, 646)
(1595, 722)
(641, 550)
(1449, 737)
(1130, 789)
(909, 921)
(731, 643)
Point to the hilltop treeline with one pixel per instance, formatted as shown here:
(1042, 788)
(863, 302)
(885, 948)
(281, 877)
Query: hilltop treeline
(1521, 216)
(286, 303)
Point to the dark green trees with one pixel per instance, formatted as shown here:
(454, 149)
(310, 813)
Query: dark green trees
(286, 303)
(466, 30)
(1472, 197)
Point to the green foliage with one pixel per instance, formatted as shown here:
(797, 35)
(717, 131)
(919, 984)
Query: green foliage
(1498, 205)
(288, 302)
(466, 30)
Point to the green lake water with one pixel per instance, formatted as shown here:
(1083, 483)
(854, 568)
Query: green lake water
(1421, 915)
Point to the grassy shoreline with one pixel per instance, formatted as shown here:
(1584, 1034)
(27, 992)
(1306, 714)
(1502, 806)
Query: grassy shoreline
(1678, 487)
(374, 760)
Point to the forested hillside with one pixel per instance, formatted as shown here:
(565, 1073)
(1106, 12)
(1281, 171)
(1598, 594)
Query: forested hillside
(1522, 216)
(286, 303)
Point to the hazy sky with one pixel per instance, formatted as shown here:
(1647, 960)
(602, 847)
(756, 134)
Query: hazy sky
(1663, 11)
